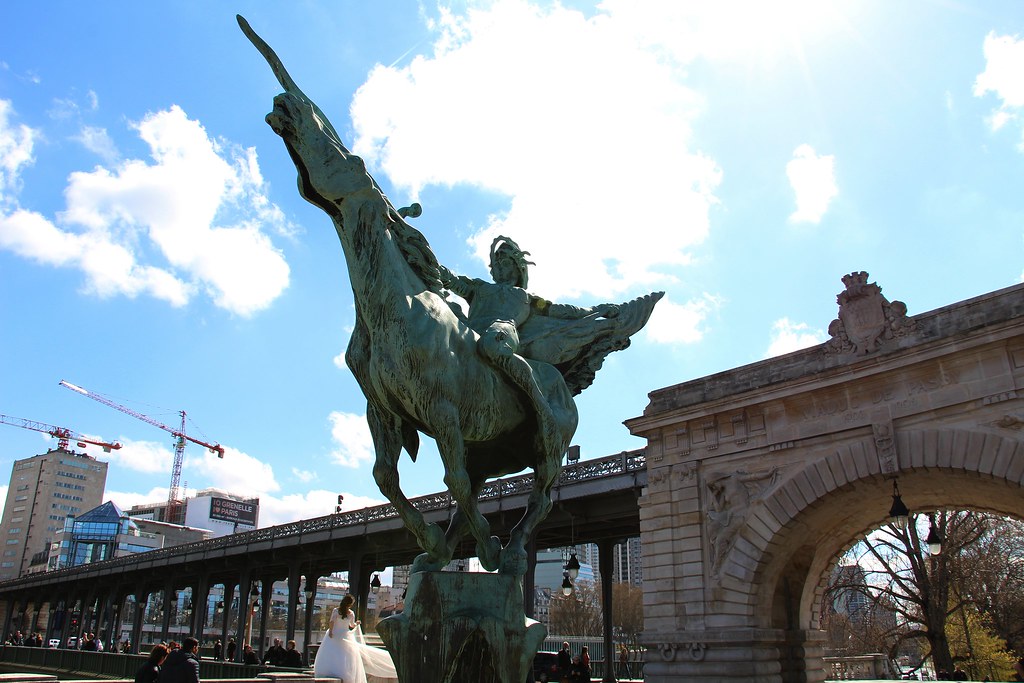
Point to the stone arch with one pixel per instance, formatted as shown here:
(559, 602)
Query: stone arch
(791, 541)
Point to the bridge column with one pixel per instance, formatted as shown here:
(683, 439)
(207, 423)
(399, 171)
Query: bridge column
(529, 578)
(37, 607)
(87, 612)
(103, 608)
(267, 594)
(228, 600)
(200, 605)
(605, 557)
(141, 602)
(59, 618)
(11, 624)
(245, 586)
(169, 597)
(116, 607)
(294, 576)
(53, 608)
(312, 581)
(359, 572)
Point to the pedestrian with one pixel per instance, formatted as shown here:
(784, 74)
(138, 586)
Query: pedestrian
(249, 655)
(232, 646)
(275, 654)
(564, 661)
(576, 673)
(150, 671)
(585, 664)
(182, 665)
(623, 661)
(292, 657)
(218, 649)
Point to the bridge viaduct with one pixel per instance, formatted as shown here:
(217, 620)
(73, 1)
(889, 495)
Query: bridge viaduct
(595, 501)
(752, 485)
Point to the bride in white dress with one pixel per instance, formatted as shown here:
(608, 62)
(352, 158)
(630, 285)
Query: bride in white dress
(344, 655)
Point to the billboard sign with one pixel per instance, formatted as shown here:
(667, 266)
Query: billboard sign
(227, 510)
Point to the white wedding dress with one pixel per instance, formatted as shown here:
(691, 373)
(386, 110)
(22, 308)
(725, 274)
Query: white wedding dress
(343, 654)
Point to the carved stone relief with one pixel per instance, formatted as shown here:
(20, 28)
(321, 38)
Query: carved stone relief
(885, 446)
(866, 318)
(730, 496)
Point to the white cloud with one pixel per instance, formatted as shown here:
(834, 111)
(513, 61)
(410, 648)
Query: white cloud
(1003, 76)
(352, 438)
(671, 322)
(562, 130)
(236, 472)
(812, 178)
(188, 221)
(788, 336)
(125, 500)
(99, 142)
(305, 476)
(294, 507)
(16, 143)
(149, 457)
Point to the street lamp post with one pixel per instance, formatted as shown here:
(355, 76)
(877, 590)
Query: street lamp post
(254, 603)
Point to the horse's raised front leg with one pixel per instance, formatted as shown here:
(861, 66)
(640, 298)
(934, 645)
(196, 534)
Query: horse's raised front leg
(453, 452)
(386, 430)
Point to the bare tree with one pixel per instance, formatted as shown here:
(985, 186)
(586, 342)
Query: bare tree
(577, 614)
(628, 612)
(997, 585)
(926, 592)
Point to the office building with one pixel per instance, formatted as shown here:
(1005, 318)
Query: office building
(44, 489)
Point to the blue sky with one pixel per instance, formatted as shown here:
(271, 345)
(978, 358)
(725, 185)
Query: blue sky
(740, 156)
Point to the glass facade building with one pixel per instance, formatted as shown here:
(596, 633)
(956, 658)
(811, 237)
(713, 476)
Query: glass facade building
(100, 534)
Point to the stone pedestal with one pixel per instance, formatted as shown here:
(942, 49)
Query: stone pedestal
(462, 628)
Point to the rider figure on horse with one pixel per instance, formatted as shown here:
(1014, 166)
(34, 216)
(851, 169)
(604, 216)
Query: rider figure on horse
(497, 311)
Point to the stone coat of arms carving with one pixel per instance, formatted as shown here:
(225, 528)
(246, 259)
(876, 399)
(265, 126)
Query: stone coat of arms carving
(865, 317)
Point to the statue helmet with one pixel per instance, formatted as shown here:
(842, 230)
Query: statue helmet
(518, 256)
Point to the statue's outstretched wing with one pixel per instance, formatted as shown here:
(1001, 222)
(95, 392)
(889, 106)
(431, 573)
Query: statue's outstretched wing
(578, 347)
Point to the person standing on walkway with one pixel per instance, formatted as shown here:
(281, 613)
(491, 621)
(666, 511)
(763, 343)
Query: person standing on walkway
(564, 661)
(182, 665)
(150, 671)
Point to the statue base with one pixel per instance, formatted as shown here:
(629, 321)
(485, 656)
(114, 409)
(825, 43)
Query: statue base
(462, 627)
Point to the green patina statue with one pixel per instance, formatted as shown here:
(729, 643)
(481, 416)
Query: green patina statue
(494, 389)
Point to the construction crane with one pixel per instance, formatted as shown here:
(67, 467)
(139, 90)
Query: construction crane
(180, 437)
(62, 434)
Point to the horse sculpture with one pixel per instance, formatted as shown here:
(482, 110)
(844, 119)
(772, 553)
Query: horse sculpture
(416, 358)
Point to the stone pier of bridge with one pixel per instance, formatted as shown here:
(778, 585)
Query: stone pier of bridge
(759, 478)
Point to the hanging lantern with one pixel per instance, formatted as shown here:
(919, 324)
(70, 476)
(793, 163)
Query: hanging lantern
(898, 512)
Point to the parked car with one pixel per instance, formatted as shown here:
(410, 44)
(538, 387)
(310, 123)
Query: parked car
(54, 642)
(545, 667)
(72, 643)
